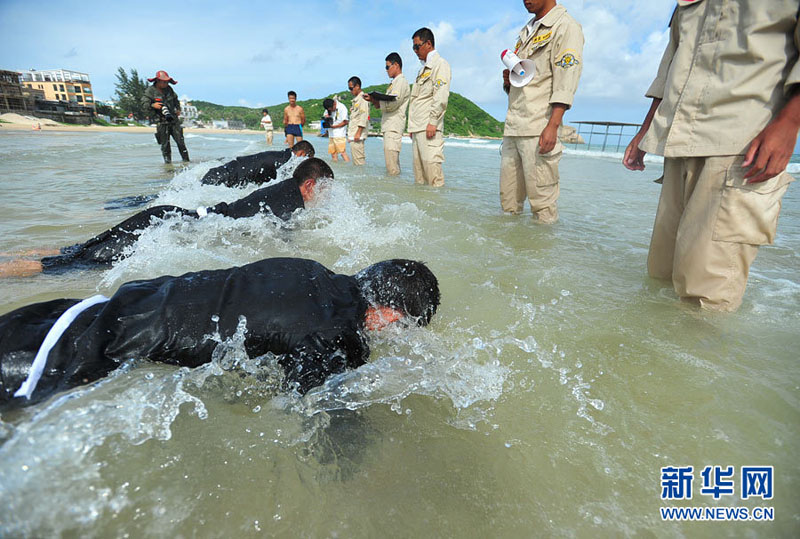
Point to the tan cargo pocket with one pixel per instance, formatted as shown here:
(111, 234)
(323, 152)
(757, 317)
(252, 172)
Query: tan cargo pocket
(435, 148)
(547, 166)
(748, 213)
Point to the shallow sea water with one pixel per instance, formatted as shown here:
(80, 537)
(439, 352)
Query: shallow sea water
(553, 385)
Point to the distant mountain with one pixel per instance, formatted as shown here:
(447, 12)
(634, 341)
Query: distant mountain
(463, 117)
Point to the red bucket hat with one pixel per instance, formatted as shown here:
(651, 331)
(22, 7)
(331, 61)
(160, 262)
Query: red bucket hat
(163, 75)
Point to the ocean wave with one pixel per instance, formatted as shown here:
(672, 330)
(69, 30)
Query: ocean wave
(607, 155)
(220, 139)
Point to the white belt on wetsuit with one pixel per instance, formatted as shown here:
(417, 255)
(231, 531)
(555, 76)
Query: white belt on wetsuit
(50, 340)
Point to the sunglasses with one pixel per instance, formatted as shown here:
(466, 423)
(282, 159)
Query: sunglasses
(417, 46)
(350, 87)
(387, 67)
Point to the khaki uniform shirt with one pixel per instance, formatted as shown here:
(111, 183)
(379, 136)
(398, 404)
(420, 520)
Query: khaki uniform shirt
(429, 95)
(393, 119)
(359, 117)
(555, 45)
(725, 74)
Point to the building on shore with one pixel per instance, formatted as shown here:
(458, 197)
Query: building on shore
(12, 96)
(33, 93)
(61, 85)
(189, 113)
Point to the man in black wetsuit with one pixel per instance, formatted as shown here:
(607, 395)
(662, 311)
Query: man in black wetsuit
(315, 322)
(257, 168)
(281, 199)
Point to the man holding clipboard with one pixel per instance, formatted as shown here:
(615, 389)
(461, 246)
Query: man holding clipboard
(393, 105)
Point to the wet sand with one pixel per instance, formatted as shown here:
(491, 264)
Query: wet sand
(119, 129)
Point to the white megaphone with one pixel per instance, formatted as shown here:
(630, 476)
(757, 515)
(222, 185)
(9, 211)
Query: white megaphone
(521, 71)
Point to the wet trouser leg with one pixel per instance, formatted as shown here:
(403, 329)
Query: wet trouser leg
(392, 142)
(709, 225)
(176, 129)
(357, 152)
(526, 172)
(428, 158)
(162, 130)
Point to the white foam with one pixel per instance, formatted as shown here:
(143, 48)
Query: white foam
(218, 139)
(607, 155)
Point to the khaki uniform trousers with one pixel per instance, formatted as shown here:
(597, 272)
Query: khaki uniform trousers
(392, 143)
(357, 152)
(525, 173)
(709, 225)
(428, 158)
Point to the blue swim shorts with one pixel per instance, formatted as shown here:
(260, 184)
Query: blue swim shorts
(293, 129)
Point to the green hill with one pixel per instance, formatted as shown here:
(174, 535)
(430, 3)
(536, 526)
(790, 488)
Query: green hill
(463, 117)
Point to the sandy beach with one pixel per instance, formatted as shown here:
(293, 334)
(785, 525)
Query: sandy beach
(17, 122)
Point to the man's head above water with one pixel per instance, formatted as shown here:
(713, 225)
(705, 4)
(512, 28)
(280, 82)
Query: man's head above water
(398, 289)
(303, 149)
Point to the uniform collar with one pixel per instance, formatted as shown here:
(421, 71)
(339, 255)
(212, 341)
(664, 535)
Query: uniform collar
(553, 15)
(432, 57)
(548, 20)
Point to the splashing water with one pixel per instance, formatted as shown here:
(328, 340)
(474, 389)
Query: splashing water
(552, 356)
(141, 401)
(337, 225)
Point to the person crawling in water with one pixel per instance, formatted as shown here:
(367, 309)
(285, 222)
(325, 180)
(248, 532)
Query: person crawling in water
(258, 168)
(281, 199)
(315, 321)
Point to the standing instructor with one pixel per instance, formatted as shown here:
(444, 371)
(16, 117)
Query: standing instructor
(426, 110)
(725, 116)
(358, 126)
(393, 119)
(553, 41)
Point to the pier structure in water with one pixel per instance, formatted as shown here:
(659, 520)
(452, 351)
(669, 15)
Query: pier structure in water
(612, 129)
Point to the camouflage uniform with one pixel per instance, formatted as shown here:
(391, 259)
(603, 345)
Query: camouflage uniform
(164, 128)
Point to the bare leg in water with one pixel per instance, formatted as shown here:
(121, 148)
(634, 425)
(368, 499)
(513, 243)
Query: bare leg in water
(20, 267)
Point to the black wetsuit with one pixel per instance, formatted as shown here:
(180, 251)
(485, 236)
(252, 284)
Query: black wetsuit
(282, 199)
(295, 308)
(257, 168)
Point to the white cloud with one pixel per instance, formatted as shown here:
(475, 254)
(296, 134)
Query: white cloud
(624, 44)
(240, 55)
(344, 6)
(245, 103)
(444, 34)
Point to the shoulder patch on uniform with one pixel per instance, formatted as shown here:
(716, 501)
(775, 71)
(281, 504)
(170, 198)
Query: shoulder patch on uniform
(439, 83)
(517, 46)
(567, 60)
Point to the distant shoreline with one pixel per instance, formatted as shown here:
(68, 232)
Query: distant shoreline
(142, 129)
(119, 129)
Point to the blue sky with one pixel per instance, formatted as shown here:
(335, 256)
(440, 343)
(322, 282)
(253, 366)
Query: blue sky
(233, 53)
